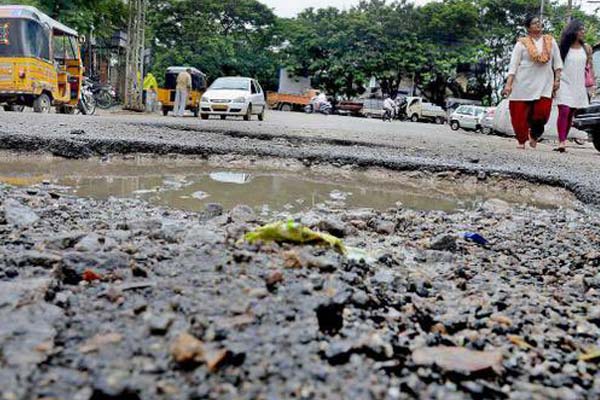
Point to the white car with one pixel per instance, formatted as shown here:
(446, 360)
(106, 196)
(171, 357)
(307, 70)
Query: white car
(467, 117)
(234, 96)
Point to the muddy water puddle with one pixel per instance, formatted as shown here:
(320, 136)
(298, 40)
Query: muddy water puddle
(190, 184)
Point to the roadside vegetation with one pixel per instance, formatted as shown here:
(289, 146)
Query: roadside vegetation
(342, 50)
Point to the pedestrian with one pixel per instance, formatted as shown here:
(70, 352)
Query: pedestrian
(573, 93)
(184, 85)
(150, 91)
(533, 78)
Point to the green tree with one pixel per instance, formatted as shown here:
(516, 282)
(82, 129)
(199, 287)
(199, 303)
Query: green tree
(104, 16)
(220, 37)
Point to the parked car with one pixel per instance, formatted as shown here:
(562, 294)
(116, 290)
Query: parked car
(234, 96)
(467, 117)
(487, 122)
(588, 120)
(419, 110)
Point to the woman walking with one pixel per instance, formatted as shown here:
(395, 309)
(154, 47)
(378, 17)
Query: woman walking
(573, 92)
(533, 78)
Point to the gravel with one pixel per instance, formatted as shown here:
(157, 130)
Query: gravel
(425, 314)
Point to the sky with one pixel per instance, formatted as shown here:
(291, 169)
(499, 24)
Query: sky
(289, 8)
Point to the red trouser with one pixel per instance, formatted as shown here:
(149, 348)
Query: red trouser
(530, 117)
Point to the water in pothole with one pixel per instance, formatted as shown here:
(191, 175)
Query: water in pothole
(191, 184)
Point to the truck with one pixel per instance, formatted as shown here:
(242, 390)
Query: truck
(290, 101)
(419, 110)
(293, 93)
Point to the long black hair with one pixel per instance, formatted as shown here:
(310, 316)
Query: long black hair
(569, 36)
(528, 20)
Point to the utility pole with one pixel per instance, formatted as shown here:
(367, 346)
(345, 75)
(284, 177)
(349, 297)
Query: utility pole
(569, 11)
(134, 69)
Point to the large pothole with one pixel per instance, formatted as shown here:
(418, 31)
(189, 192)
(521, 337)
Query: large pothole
(268, 184)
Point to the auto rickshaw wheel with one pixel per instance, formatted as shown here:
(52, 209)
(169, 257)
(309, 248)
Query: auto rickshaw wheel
(165, 112)
(204, 116)
(42, 104)
(223, 117)
(261, 116)
(196, 112)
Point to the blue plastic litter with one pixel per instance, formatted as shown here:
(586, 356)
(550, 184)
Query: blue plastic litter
(475, 237)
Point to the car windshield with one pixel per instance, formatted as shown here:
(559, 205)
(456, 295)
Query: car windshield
(231, 84)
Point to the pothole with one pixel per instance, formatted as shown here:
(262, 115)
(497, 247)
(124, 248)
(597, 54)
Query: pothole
(269, 185)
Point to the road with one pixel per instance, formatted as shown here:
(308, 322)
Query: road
(311, 138)
(121, 299)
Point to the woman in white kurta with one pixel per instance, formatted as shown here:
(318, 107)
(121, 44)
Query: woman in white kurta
(573, 93)
(533, 77)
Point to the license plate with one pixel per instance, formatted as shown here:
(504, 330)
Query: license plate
(219, 108)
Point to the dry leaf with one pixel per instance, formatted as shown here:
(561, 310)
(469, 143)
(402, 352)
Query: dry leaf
(89, 276)
(187, 349)
(519, 341)
(590, 355)
(459, 359)
(99, 341)
(215, 358)
(501, 319)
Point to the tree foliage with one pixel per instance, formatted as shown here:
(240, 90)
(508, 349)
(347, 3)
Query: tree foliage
(103, 16)
(220, 37)
(394, 41)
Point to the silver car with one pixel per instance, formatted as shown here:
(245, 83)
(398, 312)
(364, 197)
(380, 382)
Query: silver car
(467, 117)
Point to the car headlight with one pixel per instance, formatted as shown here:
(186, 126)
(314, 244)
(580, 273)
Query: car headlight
(205, 99)
(240, 100)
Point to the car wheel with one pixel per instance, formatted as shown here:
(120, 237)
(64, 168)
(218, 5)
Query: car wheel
(42, 104)
(439, 120)
(596, 140)
(286, 107)
(454, 125)
(248, 115)
(204, 116)
(223, 117)
(486, 131)
(414, 118)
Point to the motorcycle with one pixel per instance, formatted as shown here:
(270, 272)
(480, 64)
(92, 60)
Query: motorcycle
(87, 103)
(318, 106)
(104, 94)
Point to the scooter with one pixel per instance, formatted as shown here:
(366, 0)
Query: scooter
(104, 94)
(87, 103)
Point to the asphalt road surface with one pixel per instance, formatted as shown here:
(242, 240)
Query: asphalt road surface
(311, 138)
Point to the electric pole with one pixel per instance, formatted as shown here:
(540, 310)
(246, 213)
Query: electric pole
(134, 69)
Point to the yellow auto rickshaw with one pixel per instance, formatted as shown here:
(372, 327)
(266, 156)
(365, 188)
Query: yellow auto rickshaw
(166, 95)
(40, 62)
